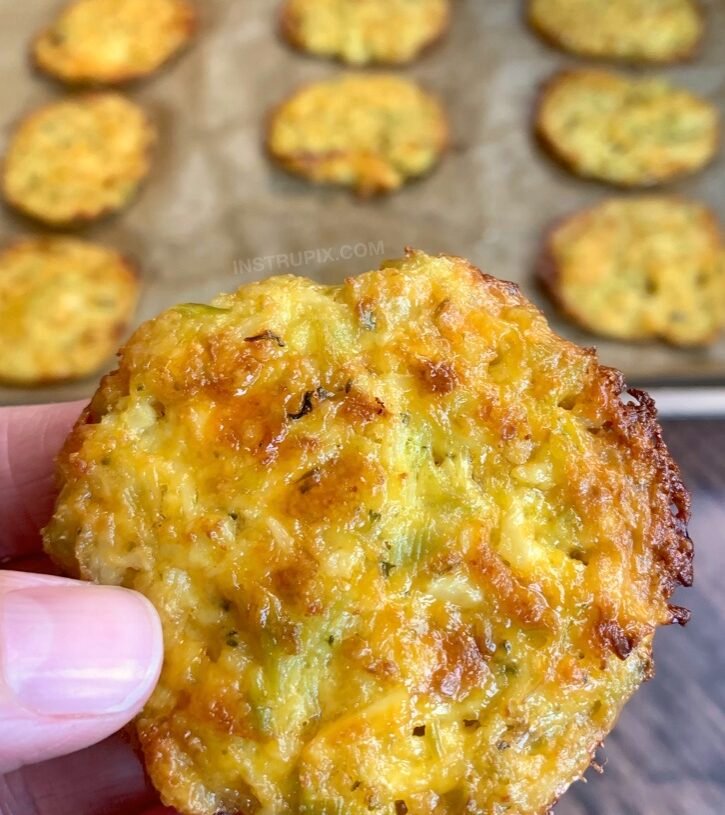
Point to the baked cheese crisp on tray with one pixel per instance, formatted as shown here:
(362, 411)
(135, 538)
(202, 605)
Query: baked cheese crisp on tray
(638, 269)
(409, 546)
(629, 30)
(77, 159)
(64, 305)
(365, 31)
(627, 132)
(370, 132)
(109, 42)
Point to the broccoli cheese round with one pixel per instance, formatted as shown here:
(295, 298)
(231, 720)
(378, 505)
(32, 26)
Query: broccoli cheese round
(369, 132)
(409, 547)
(629, 30)
(640, 268)
(628, 132)
(63, 306)
(78, 159)
(108, 42)
(365, 31)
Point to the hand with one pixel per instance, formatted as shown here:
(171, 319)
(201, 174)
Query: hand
(77, 661)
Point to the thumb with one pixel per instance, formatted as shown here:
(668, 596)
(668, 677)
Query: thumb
(77, 662)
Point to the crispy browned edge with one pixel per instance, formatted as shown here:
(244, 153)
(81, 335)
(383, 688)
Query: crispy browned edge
(288, 32)
(636, 423)
(83, 217)
(547, 274)
(289, 166)
(120, 78)
(553, 152)
(684, 57)
(130, 264)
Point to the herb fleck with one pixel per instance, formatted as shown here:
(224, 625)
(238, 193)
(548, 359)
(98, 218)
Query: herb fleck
(309, 479)
(386, 568)
(305, 408)
(266, 335)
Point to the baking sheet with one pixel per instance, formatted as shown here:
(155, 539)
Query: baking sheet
(215, 214)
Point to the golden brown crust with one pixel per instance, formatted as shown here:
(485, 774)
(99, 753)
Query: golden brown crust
(632, 31)
(377, 31)
(79, 159)
(409, 547)
(113, 42)
(626, 132)
(64, 307)
(369, 132)
(615, 269)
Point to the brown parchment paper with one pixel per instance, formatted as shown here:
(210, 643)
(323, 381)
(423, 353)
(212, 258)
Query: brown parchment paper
(215, 214)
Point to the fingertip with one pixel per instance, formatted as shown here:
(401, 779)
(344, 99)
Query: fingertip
(78, 661)
(32, 436)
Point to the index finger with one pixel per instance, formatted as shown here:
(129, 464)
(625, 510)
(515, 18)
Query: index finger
(30, 438)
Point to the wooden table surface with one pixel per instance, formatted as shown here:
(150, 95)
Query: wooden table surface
(667, 754)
